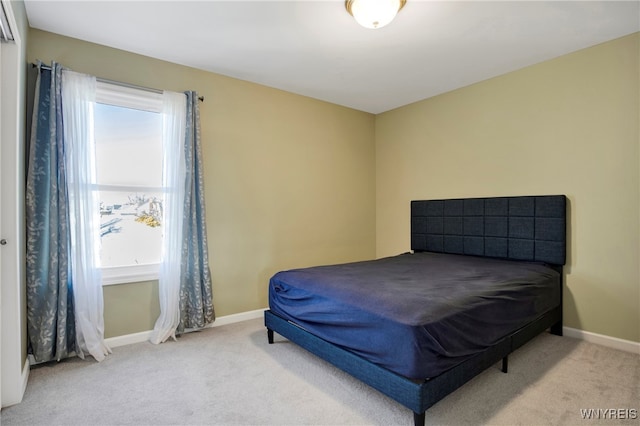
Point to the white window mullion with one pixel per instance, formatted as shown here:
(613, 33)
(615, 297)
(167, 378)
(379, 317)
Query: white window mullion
(130, 188)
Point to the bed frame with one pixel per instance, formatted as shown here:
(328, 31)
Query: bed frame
(516, 228)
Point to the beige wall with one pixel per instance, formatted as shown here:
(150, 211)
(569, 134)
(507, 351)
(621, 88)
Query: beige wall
(565, 126)
(292, 181)
(130, 308)
(289, 181)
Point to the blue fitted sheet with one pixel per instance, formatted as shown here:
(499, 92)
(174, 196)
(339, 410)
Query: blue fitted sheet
(416, 314)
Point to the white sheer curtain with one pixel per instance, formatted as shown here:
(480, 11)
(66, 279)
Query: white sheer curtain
(78, 99)
(173, 169)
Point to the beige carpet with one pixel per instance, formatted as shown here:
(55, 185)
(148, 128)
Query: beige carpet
(230, 375)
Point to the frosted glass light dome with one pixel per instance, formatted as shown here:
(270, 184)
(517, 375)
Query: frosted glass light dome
(374, 13)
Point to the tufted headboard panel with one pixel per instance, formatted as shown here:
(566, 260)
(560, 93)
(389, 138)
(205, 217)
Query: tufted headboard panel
(519, 228)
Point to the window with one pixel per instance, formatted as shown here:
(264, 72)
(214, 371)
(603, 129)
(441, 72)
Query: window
(128, 135)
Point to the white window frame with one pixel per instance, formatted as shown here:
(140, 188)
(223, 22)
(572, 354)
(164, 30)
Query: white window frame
(128, 97)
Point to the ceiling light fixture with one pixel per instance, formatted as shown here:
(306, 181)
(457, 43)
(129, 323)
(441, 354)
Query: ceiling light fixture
(374, 13)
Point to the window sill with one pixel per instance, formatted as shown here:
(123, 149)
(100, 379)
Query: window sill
(130, 274)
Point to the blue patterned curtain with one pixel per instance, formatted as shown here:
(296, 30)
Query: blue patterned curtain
(196, 296)
(50, 312)
(64, 292)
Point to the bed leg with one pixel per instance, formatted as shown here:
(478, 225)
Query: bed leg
(556, 328)
(270, 336)
(505, 364)
(419, 419)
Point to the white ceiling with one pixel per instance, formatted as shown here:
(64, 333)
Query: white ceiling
(315, 48)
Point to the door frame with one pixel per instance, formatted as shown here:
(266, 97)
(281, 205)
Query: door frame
(14, 368)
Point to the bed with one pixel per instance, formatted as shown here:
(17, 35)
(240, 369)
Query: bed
(483, 277)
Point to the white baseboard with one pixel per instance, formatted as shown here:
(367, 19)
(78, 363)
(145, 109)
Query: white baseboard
(601, 339)
(24, 377)
(143, 336)
(242, 316)
(128, 339)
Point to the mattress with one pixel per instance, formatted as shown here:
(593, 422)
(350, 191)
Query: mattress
(416, 314)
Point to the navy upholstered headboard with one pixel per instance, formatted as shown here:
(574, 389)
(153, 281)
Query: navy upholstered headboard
(517, 228)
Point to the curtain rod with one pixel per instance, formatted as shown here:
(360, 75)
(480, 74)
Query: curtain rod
(119, 83)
